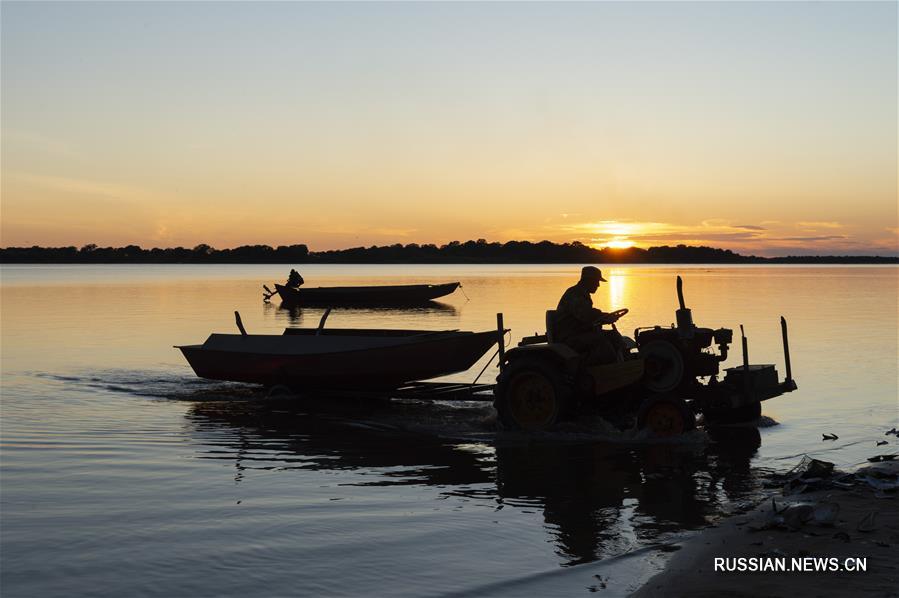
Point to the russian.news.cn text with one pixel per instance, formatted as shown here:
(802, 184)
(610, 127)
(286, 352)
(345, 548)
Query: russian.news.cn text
(806, 564)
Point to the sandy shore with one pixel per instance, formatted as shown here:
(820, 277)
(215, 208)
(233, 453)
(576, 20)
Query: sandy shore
(853, 534)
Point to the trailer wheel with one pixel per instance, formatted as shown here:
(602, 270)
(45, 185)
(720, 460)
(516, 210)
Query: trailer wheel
(665, 416)
(734, 415)
(531, 395)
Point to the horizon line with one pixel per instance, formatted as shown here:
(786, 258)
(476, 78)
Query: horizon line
(88, 248)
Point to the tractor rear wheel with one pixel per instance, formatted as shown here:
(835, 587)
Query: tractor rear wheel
(531, 395)
(665, 416)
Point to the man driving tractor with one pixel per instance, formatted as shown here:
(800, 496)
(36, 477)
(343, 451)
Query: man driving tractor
(577, 322)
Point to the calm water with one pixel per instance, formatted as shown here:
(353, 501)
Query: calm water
(123, 474)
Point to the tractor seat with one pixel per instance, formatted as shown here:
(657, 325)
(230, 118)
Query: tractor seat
(550, 325)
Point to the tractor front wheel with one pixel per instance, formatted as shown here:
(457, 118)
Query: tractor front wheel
(531, 395)
(665, 416)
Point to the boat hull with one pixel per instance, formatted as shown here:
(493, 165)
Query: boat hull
(380, 368)
(379, 295)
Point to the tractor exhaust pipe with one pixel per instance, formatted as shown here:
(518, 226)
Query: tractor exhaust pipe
(683, 315)
(783, 330)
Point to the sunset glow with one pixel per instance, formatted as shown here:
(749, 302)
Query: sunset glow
(341, 125)
(618, 243)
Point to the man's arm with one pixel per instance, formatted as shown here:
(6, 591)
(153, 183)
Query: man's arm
(582, 309)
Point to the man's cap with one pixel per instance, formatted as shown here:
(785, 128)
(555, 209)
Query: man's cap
(592, 272)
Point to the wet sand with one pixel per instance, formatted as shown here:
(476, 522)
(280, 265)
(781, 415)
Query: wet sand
(853, 534)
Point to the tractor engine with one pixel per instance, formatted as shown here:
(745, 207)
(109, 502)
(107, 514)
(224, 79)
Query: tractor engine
(676, 356)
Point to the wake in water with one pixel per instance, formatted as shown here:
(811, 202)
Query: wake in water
(156, 384)
(450, 420)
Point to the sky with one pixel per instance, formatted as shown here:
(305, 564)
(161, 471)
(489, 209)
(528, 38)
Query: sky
(768, 128)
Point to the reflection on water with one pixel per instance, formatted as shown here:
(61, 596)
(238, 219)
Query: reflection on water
(124, 474)
(618, 289)
(597, 499)
(297, 316)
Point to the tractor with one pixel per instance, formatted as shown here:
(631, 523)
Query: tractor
(662, 379)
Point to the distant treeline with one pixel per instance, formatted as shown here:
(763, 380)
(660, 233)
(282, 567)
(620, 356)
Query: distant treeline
(469, 252)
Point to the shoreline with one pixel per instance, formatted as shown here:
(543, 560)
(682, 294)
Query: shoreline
(767, 540)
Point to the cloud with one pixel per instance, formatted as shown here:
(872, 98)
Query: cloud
(814, 239)
(816, 225)
(697, 235)
(642, 233)
(393, 232)
(750, 227)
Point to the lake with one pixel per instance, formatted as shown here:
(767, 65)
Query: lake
(124, 474)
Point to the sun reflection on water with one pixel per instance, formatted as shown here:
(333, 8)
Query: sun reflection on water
(618, 290)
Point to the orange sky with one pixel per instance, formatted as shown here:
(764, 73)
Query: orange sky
(765, 128)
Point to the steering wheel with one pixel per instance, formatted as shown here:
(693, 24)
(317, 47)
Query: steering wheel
(610, 318)
(615, 315)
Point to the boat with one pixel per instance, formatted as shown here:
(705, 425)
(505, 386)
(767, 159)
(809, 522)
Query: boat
(410, 294)
(338, 359)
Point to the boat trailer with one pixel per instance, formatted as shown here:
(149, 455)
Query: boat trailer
(418, 391)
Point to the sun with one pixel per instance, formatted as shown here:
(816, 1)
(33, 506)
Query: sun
(619, 243)
(612, 234)
(614, 243)
(617, 234)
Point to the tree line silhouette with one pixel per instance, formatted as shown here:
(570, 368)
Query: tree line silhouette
(456, 252)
